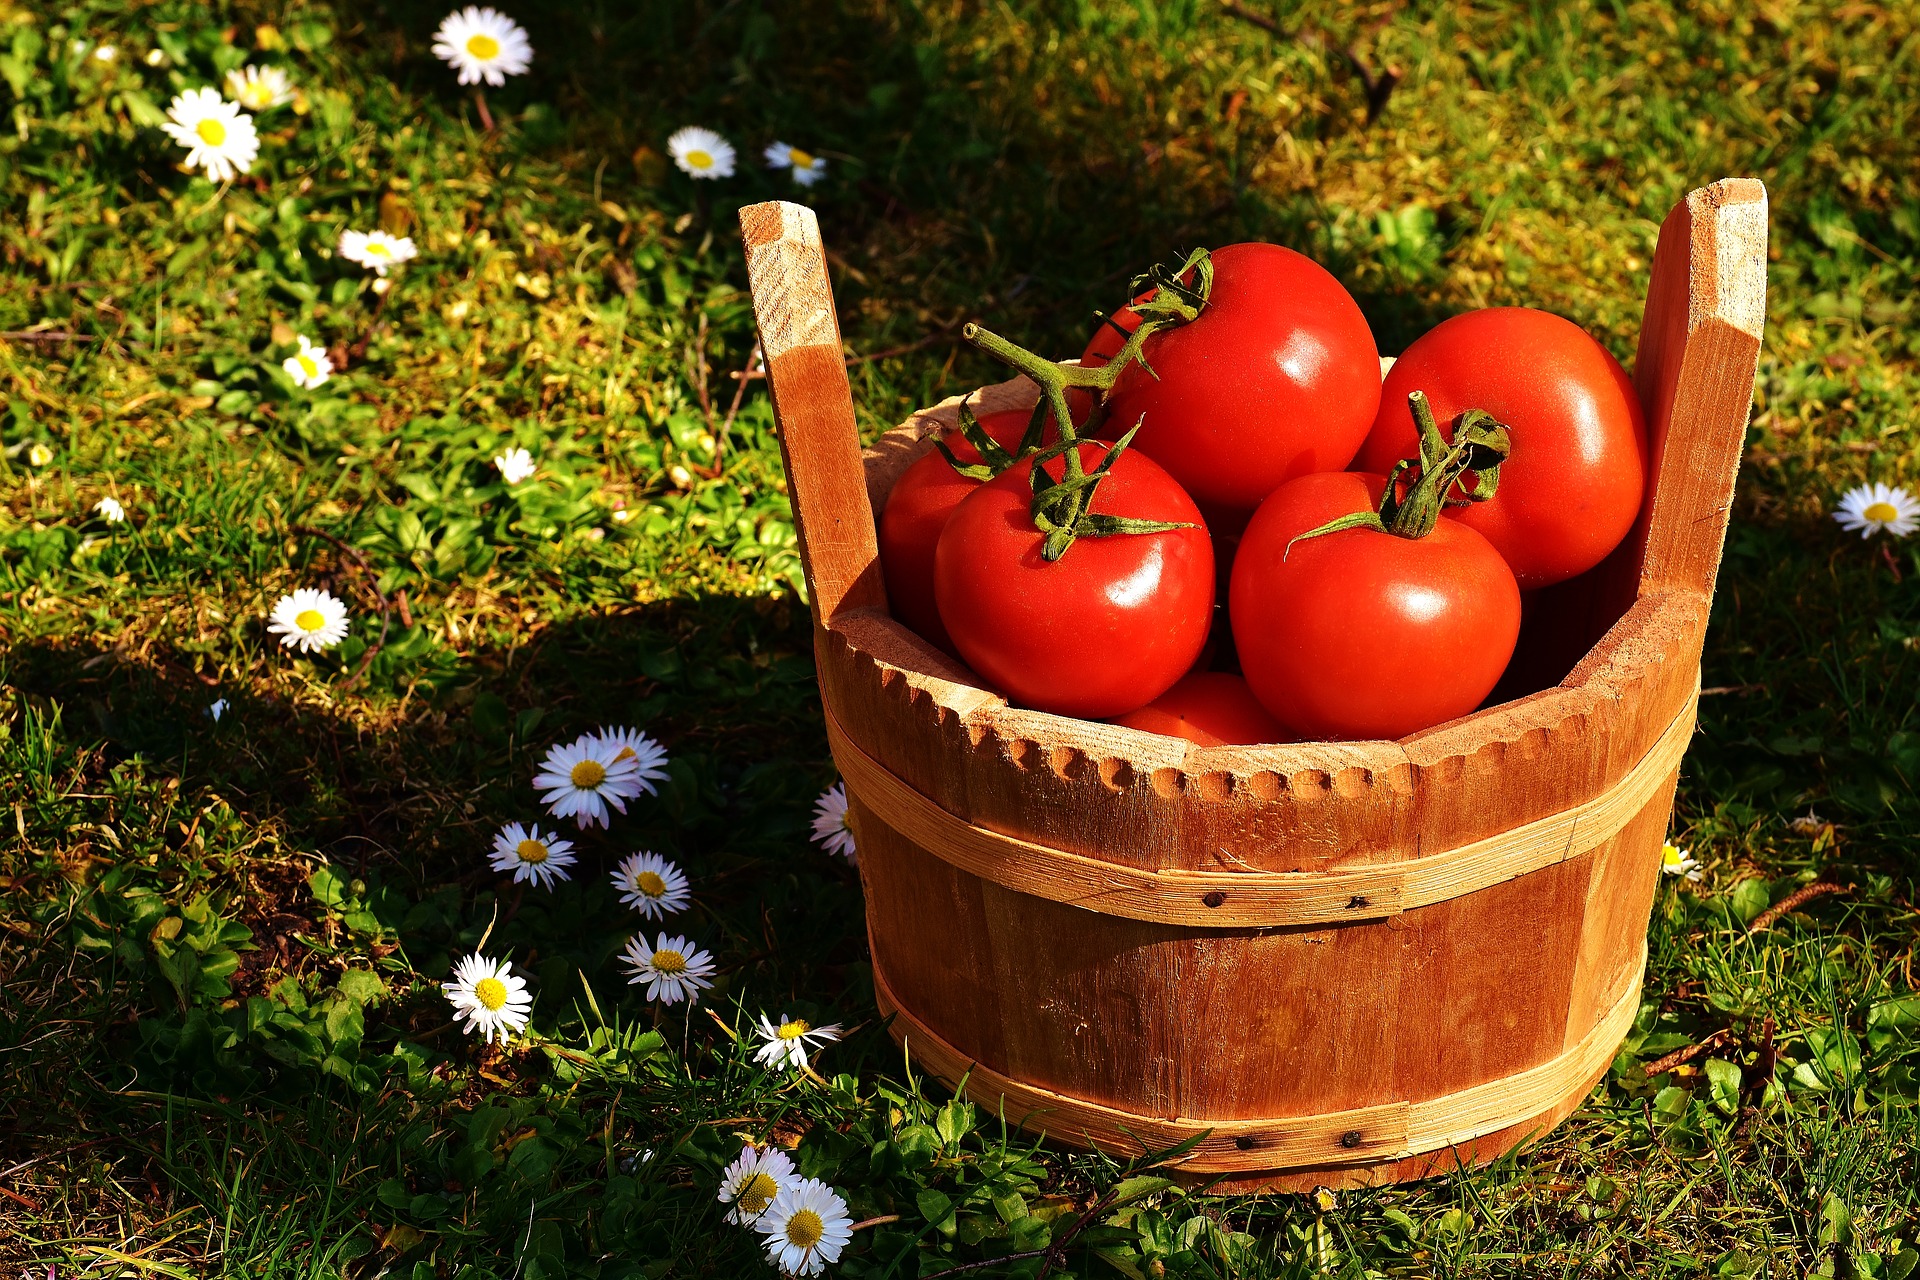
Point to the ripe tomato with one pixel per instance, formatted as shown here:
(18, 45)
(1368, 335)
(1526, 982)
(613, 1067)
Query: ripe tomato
(1211, 708)
(1572, 487)
(1362, 634)
(1277, 377)
(917, 510)
(1107, 627)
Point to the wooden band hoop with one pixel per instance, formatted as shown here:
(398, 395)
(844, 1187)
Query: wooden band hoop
(1363, 1135)
(1255, 899)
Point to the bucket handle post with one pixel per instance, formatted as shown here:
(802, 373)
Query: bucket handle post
(812, 407)
(1694, 370)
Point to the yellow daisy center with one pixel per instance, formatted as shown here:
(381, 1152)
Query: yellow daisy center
(1673, 856)
(758, 1193)
(801, 159)
(625, 753)
(805, 1229)
(699, 159)
(309, 619)
(257, 96)
(795, 1029)
(650, 883)
(483, 46)
(1882, 513)
(588, 774)
(491, 993)
(377, 250)
(669, 962)
(211, 131)
(531, 851)
(308, 365)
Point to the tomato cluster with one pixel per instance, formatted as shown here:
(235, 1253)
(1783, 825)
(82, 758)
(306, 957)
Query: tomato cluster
(1229, 434)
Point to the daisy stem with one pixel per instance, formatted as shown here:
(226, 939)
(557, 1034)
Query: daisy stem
(519, 896)
(217, 197)
(486, 116)
(359, 349)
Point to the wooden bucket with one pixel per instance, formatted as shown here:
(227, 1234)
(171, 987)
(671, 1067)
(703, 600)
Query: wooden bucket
(1333, 963)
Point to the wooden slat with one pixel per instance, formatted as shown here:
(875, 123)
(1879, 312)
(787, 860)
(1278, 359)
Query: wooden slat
(813, 407)
(1699, 348)
(1390, 1131)
(1257, 899)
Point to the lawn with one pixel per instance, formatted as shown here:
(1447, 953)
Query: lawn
(223, 1045)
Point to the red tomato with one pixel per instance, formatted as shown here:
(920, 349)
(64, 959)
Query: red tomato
(1211, 708)
(1104, 629)
(917, 510)
(1278, 377)
(1361, 634)
(1572, 487)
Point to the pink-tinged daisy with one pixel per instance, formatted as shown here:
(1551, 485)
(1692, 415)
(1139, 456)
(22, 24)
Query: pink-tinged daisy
(672, 969)
(830, 829)
(652, 886)
(584, 779)
(753, 1181)
(533, 856)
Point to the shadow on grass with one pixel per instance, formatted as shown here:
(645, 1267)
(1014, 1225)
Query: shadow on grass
(158, 809)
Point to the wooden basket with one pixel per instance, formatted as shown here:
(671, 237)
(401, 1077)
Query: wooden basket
(1341, 962)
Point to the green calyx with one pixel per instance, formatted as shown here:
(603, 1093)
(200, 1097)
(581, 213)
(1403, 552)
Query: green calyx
(1062, 509)
(1479, 445)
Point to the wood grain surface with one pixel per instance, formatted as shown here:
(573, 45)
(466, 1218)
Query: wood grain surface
(1362, 1135)
(1251, 898)
(813, 405)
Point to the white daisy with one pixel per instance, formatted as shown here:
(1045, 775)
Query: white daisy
(218, 135)
(807, 167)
(310, 365)
(830, 829)
(783, 1044)
(806, 1228)
(584, 778)
(309, 619)
(376, 249)
(652, 886)
(754, 1181)
(216, 709)
(488, 997)
(514, 465)
(39, 455)
(483, 44)
(648, 757)
(156, 57)
(673, 969)
(110, 510)
(1675, 861)
(106, 53)
(259, 88)
(1870, 508)
(532, 856)
(702, 153)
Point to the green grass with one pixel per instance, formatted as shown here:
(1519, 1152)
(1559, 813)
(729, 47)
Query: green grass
(222, 1051)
